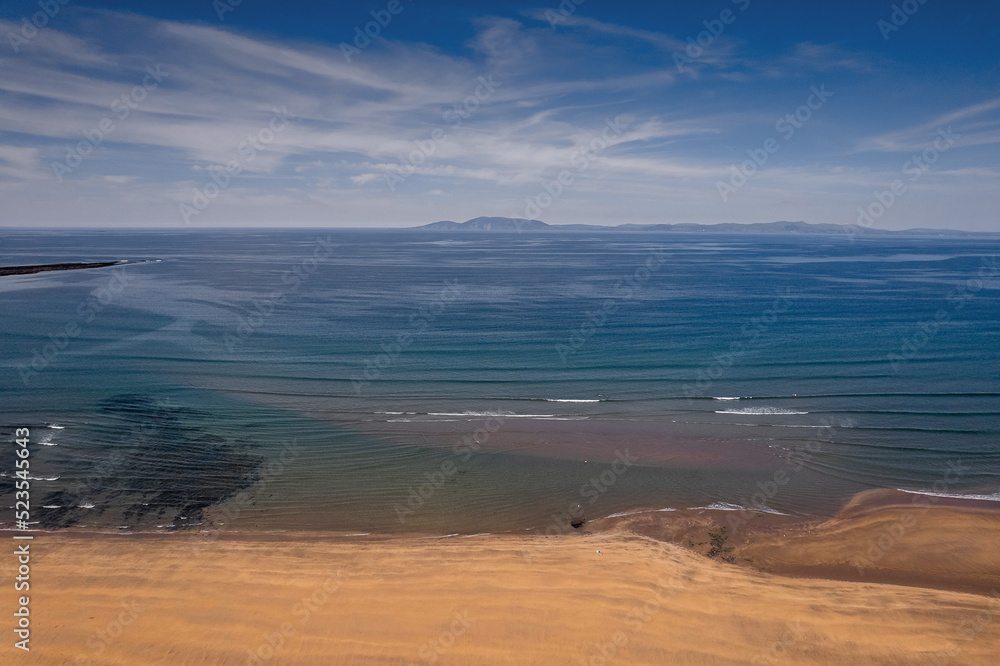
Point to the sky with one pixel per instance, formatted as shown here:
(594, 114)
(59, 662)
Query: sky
(404, 112)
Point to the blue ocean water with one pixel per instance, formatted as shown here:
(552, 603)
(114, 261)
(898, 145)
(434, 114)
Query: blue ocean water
(389, 380)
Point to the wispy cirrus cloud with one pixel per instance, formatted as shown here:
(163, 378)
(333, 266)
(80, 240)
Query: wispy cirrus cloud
(222, 86)
(657, 39)
(978, 124)
(353, 124)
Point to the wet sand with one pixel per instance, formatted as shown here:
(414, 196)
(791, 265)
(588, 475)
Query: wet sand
(888, 536)
(325, 599)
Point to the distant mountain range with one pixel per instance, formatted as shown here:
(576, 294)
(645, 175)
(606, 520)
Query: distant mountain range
(517, 224)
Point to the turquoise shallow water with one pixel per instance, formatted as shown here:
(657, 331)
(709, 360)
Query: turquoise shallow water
(381, 381)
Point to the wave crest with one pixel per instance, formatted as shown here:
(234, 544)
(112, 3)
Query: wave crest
(759, 410)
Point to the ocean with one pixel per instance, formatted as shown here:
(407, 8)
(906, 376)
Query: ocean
(387, 381)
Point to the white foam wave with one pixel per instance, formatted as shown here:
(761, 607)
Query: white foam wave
(995, 497)
(43, 478)
(570, 400)
(473, 415)
(52, 506)
(632, 513)
(528, 416)
(468, 414)
(759, 410)
(497, 414)
(720, 506)
(778, 425)
(56, 427)
(86, 506)
(625, 513)
(722, 397)
(729, 506)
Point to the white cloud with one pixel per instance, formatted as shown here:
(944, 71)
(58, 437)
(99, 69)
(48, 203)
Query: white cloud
(660, 40)
(975, 123)
(18, 162)
(354, 122)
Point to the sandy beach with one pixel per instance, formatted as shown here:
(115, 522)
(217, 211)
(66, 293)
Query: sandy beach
(326, 599)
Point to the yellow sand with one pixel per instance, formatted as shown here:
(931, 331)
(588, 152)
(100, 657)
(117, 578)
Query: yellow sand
(490, 600)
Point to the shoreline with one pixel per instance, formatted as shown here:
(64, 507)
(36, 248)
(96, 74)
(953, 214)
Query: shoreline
(612, 593)
(834, 547)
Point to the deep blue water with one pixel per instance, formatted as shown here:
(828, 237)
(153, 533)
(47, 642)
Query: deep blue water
(325, 379)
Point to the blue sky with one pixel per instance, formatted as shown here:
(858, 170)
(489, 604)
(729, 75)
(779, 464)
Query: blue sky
(169, 115)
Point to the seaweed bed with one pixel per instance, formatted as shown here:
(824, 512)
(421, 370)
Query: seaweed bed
(161, 466)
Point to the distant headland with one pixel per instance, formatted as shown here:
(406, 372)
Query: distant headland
(518, 224)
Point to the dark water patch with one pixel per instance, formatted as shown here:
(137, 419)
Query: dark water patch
(161, 466)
